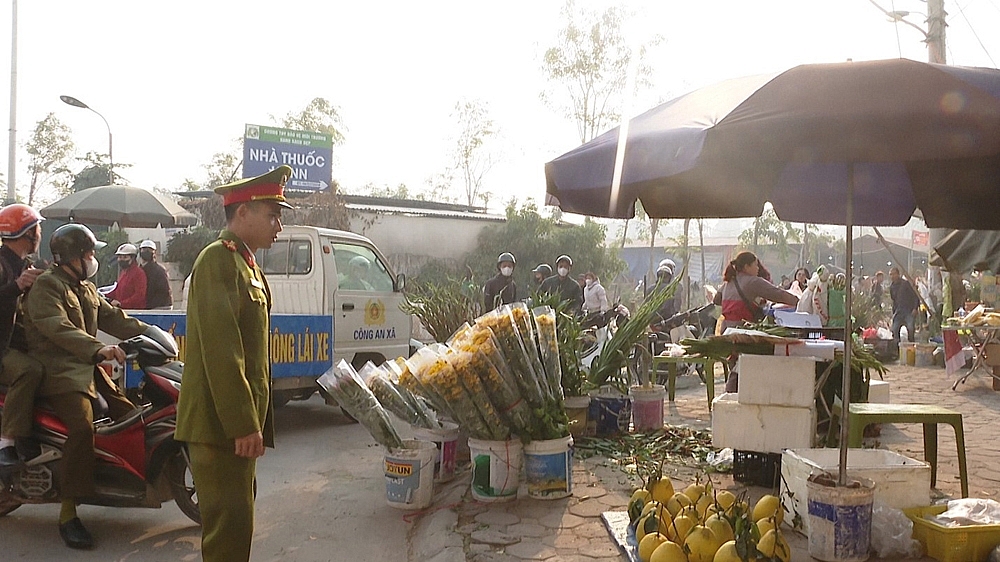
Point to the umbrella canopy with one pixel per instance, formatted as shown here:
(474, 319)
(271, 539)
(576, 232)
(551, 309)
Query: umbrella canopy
(963, 250)
(916, 134)
(861, 143)
(130, 207)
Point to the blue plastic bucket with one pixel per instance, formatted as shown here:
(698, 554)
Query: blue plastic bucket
(548, 468)
(610, 414)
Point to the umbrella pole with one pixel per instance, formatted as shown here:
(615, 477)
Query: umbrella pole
(845, 391)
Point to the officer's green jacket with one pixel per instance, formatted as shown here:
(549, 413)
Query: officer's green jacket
(226, 390)
(61, 319)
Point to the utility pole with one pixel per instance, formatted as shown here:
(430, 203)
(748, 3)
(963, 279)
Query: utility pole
(12, 135)
(936, 31)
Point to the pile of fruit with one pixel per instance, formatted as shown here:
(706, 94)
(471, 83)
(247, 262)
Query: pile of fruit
(701, 524)
(978, 316)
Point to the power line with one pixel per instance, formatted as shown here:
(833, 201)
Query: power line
(974, 34)
(899, 47)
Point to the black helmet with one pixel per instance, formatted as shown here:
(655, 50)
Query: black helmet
(506, 256)
(564, 258)
(543, 268)
(71, 241)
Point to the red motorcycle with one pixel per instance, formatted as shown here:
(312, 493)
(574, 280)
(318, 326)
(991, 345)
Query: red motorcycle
(138, 462)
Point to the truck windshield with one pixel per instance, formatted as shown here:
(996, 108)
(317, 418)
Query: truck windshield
(359, 269)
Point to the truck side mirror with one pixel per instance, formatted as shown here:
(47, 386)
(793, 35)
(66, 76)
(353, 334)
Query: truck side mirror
(400, 282)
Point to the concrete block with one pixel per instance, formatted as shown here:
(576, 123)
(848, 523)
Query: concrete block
(771, 380)
(753, 427)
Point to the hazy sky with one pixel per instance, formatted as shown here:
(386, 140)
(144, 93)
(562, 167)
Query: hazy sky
(178, 80)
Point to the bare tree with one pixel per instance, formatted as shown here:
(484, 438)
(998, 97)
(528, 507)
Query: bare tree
(50, 150)
(319, 115)
(473, 158)
(591, 61)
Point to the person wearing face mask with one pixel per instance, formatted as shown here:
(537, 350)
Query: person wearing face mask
(563, 285)
(157, 282)
(501, 289)
(21, 231)
(130, 292)
(595, 298)
(62, 315)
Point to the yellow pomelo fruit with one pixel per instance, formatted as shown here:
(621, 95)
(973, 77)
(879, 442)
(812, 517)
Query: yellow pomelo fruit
(690, 511)
(647, 524)
(722, 529)
(768, 506)
(648, 544)
(701, 544)
(680, 527)
(702, 506)
(641, 494)
(772, 544)
(677, 502)
(712, 510)
(765, 525)
(662, 490)
(727, 553)
(725, 499)
(694, 491)
(637, 504)
(669, 552)
(651, 506)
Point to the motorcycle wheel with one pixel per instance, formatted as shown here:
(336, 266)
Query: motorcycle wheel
(8, 504)
(178, 473)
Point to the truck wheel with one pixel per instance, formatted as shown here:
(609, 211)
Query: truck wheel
(279, 398)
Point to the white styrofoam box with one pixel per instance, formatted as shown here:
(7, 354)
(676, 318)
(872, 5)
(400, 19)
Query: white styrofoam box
(795, 319)
(770, 380)
(900, 482)
(766, 429)
(878, 392)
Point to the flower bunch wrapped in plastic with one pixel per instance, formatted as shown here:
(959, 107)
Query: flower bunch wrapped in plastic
(436, 373)
(470, 367)
(511, 346)
(501, 386)
(400, 369)
(521, 316)
(344, 384)
(397, 399)
(548, 348)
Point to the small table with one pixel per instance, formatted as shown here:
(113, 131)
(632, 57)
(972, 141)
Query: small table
(707, 363)
(979, 337)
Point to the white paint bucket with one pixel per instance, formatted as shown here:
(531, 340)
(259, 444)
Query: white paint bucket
(496, 469)
(409, 475)
(446, 440)
(548, 468)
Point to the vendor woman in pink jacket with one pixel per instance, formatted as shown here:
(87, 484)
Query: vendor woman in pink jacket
(742, 276)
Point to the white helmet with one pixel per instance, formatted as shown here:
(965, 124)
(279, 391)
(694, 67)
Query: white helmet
(127, 250)
(667, 266)
(147, 244)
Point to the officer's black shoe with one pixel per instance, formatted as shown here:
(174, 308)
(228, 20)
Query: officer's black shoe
(75, 535)
(9, 460)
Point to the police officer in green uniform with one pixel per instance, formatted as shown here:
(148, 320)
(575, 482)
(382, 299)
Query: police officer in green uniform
(62, 314)
(224, 411)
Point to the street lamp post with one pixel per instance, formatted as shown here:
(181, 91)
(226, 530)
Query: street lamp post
(70, 100)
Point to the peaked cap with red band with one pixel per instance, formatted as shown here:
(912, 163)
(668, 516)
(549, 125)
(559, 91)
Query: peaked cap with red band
(267, 187)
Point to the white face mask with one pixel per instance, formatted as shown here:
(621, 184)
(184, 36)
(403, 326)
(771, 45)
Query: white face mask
(90, 266)
(506, 271)
(589, 282)
(563, 271)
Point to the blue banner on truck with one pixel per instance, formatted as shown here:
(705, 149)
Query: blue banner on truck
(301, 344)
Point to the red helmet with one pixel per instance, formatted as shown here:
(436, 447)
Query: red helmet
(17, 219)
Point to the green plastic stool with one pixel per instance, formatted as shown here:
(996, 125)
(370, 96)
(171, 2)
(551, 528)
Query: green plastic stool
(863, 415)
(708, 363)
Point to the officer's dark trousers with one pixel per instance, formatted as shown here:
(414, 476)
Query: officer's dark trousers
(22, 375)
(76, 411)
(226, 488)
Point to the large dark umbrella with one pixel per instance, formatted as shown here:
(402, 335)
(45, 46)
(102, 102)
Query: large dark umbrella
(130, 207)
(961, 251)
(861, 143)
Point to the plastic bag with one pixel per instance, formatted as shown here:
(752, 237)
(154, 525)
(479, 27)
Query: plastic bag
(397, 399)
(548, 347)
(892, 534)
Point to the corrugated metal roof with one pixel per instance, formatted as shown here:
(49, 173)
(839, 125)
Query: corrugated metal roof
(423, 212)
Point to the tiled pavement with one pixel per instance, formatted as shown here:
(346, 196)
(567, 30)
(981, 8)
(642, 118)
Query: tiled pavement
(456, 528)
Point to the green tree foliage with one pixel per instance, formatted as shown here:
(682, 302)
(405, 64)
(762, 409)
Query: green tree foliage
(473, 158)
(49, 149)
(591, 61)
(219, 171)
(97, 172)
(319, 115)
(769, 229)
(183, 248)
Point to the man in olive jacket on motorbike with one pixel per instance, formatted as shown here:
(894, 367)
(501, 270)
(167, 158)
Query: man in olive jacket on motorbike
(62, 314)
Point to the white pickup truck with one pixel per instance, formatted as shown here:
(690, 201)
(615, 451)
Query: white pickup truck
(334, 297)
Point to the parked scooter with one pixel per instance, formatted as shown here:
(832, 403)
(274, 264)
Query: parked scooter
(138, 462)
(694, 323)
(597, 329)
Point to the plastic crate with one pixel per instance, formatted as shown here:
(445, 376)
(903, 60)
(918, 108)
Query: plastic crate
(757, 469)
(952, 544)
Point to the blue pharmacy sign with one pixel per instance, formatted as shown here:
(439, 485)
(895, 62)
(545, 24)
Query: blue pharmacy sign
(308, 153)
(301, 344)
